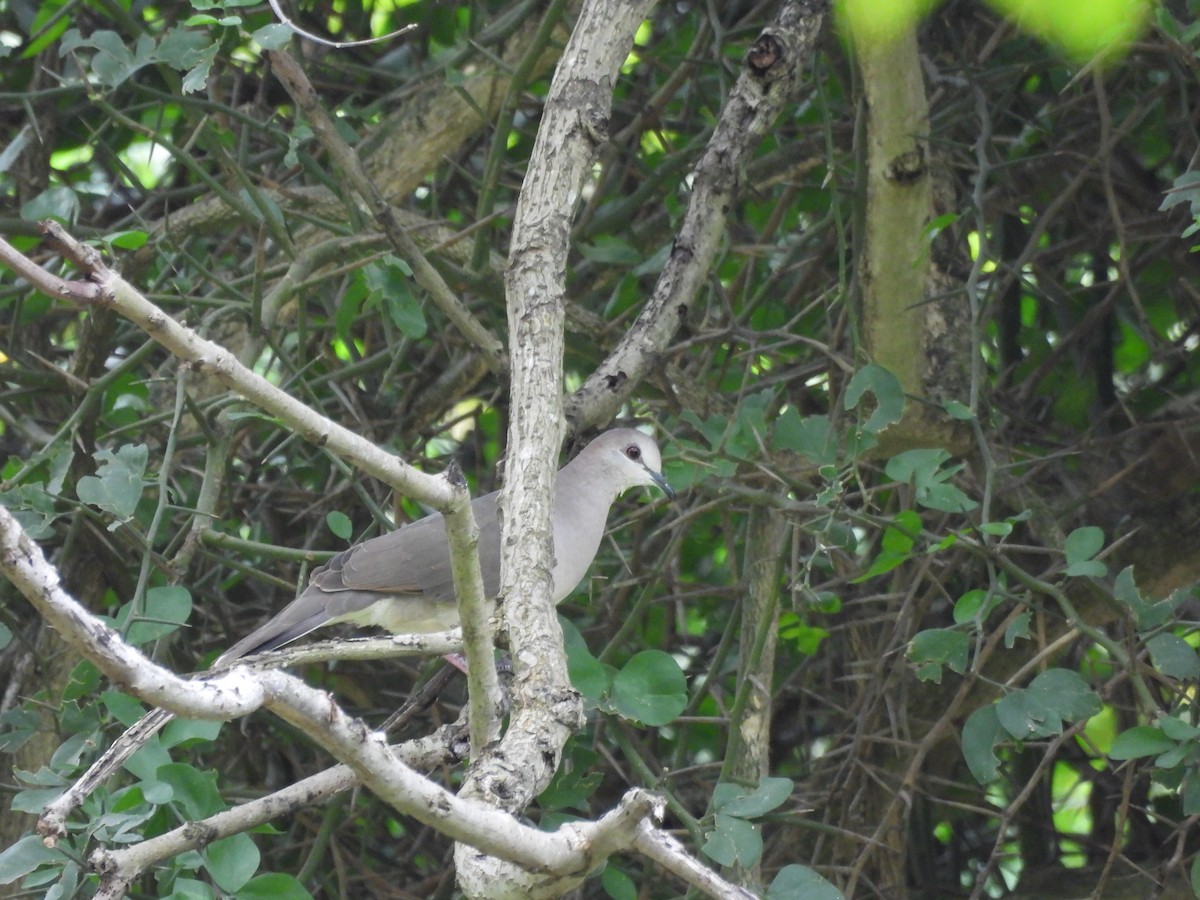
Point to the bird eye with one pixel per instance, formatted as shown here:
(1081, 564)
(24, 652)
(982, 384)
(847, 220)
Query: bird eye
(634, 452)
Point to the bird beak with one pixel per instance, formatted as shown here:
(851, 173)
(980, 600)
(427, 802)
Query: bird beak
(662, 482)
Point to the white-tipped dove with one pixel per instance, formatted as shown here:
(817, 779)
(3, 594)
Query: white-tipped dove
(401, 581)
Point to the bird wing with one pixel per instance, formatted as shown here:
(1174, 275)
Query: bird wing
(400, 581)
(414, 559)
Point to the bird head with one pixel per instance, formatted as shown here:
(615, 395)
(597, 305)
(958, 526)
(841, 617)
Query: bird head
(631, 459)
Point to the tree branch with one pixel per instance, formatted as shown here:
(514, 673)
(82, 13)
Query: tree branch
(769, 79)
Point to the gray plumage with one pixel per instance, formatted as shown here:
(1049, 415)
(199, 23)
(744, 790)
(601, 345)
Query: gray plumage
(402, 582)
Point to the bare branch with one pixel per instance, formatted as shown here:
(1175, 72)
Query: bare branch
(772, 72)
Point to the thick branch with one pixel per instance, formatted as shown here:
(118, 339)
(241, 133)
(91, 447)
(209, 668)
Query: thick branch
(105, 288)
(545, 707)
(570, 853)
(123, 866)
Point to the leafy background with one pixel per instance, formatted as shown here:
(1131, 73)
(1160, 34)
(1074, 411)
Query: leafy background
(983, 659)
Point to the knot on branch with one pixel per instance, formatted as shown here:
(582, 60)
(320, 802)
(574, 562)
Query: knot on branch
(764, 54)
(908, 168)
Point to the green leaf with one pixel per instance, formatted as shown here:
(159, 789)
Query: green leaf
(896, 545)
(191, 889)
(1025, 716)
(114, 60)
(1177, 729)
(945, 498)
(186, 732)
(1139, 741)
(650, 688)
(1079, 548)
(127, 240)
(183, 48)
(889, 396)
(1040, 710)
(84, 679)
(1171, 758)
(617, 884)
(919, 466)
(43, 776)
(339, 523)
(611, 251)
(35, 800)
(735, 800)
(299, 135)
(389, 285)
(349, 306)
(655, 262)
(46, 28)
(17, 726)
(231, 861)
(117, 485)
(901, 535)
(797, 882)
(195, 791)
(60, 203)
(712, 429)
(1066, 694)
(574, 782)
(810, 436)
(933, 648)
(60, 467)
(592, 678)
(32, 507)
(1173, 656)
(804, 638)
(1090, 568)
(1082, 29)
(981, 733)
(69, 754)
(1018, 629)
(148, 759)
(122, 707)
(405, 311)
(1146, 615)
(956, 410)
(881, 565)
(156, 792)
(275, 886)
(272, 37)
(975, 605)
(26, 855)
(166, 609)
(922, 468)
(733, 841)
(1183, 190)
(1190, 793)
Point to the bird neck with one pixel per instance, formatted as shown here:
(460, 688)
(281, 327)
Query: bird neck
(582, 497)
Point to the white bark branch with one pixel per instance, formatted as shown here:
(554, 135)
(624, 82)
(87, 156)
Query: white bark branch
(569, 854)
(546, 709)
(52, 822)
(575, 120)
(119, 868)
(105, 288)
